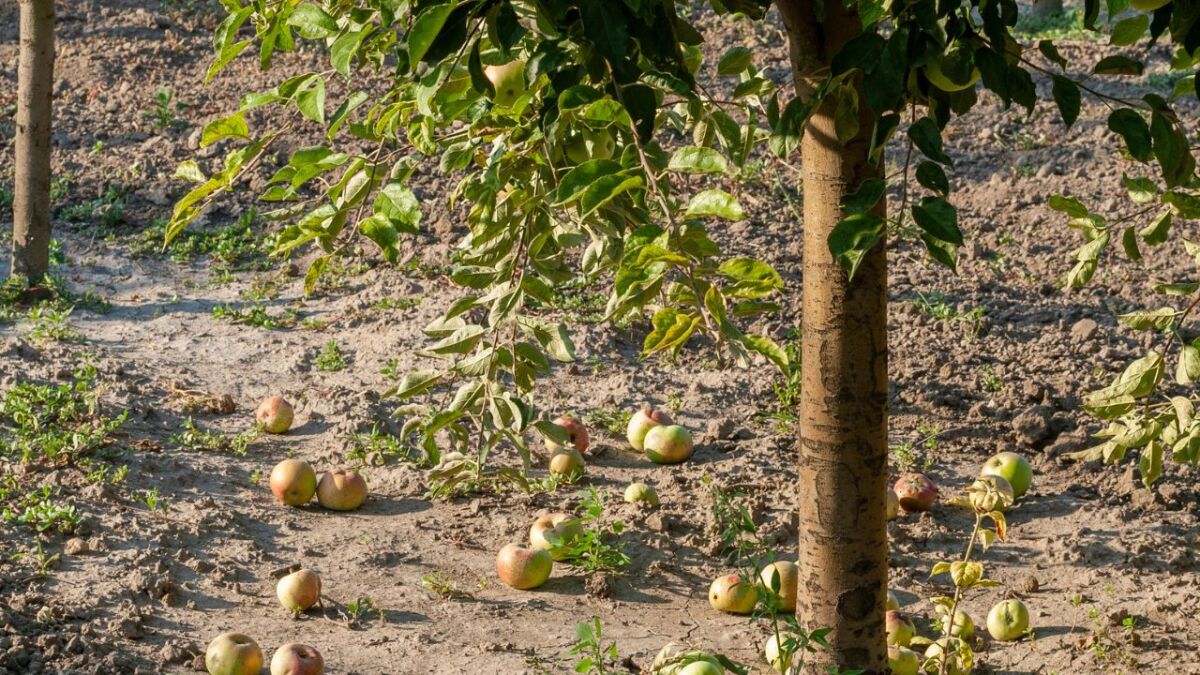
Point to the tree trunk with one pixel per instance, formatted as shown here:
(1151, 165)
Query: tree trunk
(31, 198)
(1045, 8)
(843, 405)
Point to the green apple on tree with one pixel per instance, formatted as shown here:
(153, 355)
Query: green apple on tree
(508, 79)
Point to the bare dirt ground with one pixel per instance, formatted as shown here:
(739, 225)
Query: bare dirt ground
(992, 359)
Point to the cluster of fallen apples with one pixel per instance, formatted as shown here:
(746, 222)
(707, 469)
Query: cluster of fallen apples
(293, 482)
(550, 537)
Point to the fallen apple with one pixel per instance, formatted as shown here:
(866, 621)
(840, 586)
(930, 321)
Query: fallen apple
(702, 668)
(299, 590)
(990, 493)
(297, 659)
(642, 421)
(341, 490)
(915, 492)
(788, 574)
(951, 651)
(962, 626)
(892, 601)
(733, 594)
(903, 661)
(577, 434)
(233, 654)
(1008, 620)
(1011, 467)
(668, 444)
(562, 528)
(780, 663)
(293, 482)
(508, 79)
(523, 568)
(900, 628)
(274, 415)
(567, 463)
(893, 505)
(640, 492)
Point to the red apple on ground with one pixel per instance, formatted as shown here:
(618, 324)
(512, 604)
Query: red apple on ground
(299, 590)
(668, 444)
(567, 463)
(915, 492)
(903, 661)
(577, 434)
(293, 482)
(523, 568)
(297, 659)
(900, 628)
(1008, 620)
(733, 594)
(641, 492)
(563, 528)
(233, 654)
(274, 415)
(341, 490)
(1011, 467)
(789, 579)
(642, 421)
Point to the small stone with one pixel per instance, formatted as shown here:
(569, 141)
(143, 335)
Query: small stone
(1030, 585)
(75, 546)
(1083, 330)
(1033, 425)
(720, 429)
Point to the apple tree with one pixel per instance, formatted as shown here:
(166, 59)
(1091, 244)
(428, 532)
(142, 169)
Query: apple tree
(31, 189)
(597, 140)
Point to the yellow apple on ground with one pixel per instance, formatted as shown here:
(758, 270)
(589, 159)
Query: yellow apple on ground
(903, 661)
(892, 601)
(1008, 620)
(233, 654)
(642, 421)
(893, 505)
(641, 492)
(789, 579)
(299, 590)
(962, 626)
(577, 433)
(733, 594)
(900, 628)
(293, 482)
(341, 490)
(702, 668)
(563, 528)
(567, 463)
(297, 659)
(523, 568)
(771, 652)
(274, 415)
(946, 649)
(668, 444)
(508, 80)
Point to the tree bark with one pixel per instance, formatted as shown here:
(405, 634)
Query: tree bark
(843, 405)
(1045, 8)
(31, 198)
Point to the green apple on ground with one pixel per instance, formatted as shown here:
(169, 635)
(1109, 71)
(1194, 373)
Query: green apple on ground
(293, 482)
(641, 492)
(900, 628)
(702, 668)
(947, 650)
(1011, 467)
(668, 444)
(567, 463)
(903, 661)
(563, 528)
(509, 81)
(962, 626)
(233, 654)
(297, 659)
(789, 580)
(771, 652)
(990, 493)
(523, 568)
(915, 492)
(733, 594)
(274, 415)
(642, 421)
(577, 435)
(342, 490)
(892, 601)
(299, 590)
(1008, 620)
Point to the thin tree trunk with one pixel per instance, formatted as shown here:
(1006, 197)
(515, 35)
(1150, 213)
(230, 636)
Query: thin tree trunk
(31, 199)
(843, 406)
(1045, 8)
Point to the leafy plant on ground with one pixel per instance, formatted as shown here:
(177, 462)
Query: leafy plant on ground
(383, 446)
(595, 658)
(599, 548)
(236, 246)
(330, 359)
(192, 437)
(38, 510)
(254, 315)
(55, 424)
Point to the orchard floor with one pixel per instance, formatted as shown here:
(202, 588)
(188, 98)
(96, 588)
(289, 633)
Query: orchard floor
(141, 590)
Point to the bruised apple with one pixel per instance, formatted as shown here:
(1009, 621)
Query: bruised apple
(341, 490)
(293, 482)
(577, 434)
(233, 654)
(274, 415)
(555, 532)
(900, 628)
(523, 568)
(299, 590)
(297, 659)
(733, 594)
(915, 492)
(642, 421)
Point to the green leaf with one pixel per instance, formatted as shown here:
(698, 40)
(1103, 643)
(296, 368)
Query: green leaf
(697, 160)
(313, 275)
(671, 329)
(312, 22)
(605, 189)
(752, 278)
(932, 177)
(938, 218)
(852, 237)
(578, 180)
(1067, 98)
(380, 230)
(1158, 319)
(1068, 205)
(189, 170)
(1118, 65)
(768, 348)
(414, 383)
(1141, 190)
(865, 197)
(735, 61)
(1187, 370)
(425, 30)
(344, 49)
(1133, 128)
(1150, 464)
(1047, 48)
(233, 126)
(1171, 150)
(1129, 31)
(715, 204)
(460, 341)
(925, 134)
(1130, 244)
(311, 101)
